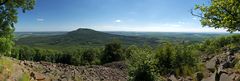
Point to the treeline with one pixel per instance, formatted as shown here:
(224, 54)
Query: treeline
(220, 44)
(147, 64)
(77, 56)
(55, 56)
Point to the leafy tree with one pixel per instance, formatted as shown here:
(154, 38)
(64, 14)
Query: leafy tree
(26, 53)
(15, 53)
(88, 57)
(112, 52)
(8, 17)
(5, 45)
(165, 58)
(220, 14)
(141, 65)
(65, 59)
(176, 59)
(129, 51)
(38, 55)
(143, 73)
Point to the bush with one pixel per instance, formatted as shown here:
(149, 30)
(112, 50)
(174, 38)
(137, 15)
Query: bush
(141, 65)
(142, 73)
(176, 59)
(5, 46)
(220, 44)
(88, 57)
(112, 52)
(128, 53)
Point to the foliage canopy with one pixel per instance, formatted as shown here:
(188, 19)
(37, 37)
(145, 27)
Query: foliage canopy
(8, 17)
(220, 14)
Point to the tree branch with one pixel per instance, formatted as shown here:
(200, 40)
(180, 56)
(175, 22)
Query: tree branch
(5, 1)
(196, 14)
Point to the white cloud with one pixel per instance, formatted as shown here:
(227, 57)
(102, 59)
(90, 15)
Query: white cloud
(40, 19)
(118, 21)
(194, 18)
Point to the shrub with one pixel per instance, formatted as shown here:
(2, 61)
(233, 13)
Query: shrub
(112, 52)
(220, 44)
(129, 51)
(141, 66)
(88, 57)
(176, 59)
(5, 46)
(142, 73)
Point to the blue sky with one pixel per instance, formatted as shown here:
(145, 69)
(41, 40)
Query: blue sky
(113, 15)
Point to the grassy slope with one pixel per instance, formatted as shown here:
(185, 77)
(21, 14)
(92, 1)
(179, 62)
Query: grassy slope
(10, 70)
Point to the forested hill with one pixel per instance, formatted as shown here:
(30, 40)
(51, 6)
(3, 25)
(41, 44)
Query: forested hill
(84, 37)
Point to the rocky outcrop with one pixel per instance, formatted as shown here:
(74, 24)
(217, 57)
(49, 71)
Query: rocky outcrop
(16, 70)
(211, 78)
(222, 66)
(211, 64)
(117, 65)
(225, 77)
(63, 72)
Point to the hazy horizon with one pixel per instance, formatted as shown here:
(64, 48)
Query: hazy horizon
(122, 31)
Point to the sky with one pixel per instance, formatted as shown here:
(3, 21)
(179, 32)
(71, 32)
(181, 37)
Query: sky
(113, 15)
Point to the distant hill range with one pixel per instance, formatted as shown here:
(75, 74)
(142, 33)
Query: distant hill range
(85, 37)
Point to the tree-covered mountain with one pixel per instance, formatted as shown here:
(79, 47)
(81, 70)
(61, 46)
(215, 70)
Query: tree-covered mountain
(84, 37)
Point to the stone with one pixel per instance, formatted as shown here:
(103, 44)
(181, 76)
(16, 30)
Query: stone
(211, 64)
(211, 78)
(188, 78)
(225, 77)
(37, 76)
(199, 76)
(172, 78)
